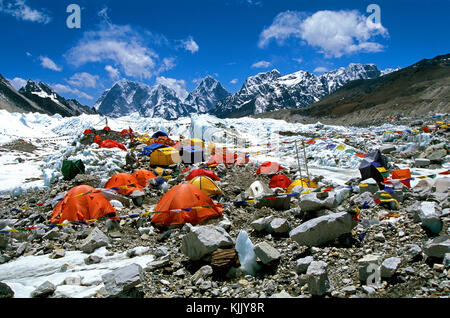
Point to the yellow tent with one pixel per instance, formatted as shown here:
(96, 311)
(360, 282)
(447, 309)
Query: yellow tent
(194, 142)
(304, 182)
(207, 185)
(165, 157)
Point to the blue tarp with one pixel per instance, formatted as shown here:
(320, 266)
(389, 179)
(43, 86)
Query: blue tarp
(149, 149)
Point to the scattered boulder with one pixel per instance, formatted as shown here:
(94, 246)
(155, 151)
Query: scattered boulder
(317, 278)
(323, 229)
(261, 224)
(437, 247)
(366, 263)
(279, 225)
(123, 279)
(44, 290)
(94, 240)
(266, 253)
(203, 240)
(389, 267)
(310, 202)
(421, 162)
(302, 264)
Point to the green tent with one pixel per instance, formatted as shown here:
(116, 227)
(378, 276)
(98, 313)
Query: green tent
(71, 168)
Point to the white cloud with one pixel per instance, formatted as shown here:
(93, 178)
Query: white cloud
(190, 45)
(234, 81)
(320, 69)
(29, 54)
(17, 82)
(21, 11)
(114, 73)
(119, 44)
(63, 89)
(167, 63)
(298, 60)
(261, 64)
(48, 63)
(83, 80)
(334, 33)
(179, 86)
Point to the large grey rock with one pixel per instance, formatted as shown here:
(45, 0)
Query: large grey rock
(123, 279)
(437, 247)
(161, 262)
(261, 224)
(387, 149)
(323, 229)
(310, 202)
(389, 266)
(437, 155)
(421, 162)
(94, 240)
(317, 278)
(279, 225)
(44, 290)
(203, 240)
(302, 264)
(365, 264)
(266, 253)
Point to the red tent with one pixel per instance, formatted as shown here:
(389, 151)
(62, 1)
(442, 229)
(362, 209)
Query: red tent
(88, 132)
(193, 206)
(201, 172)
(108, 143)
(82, 203)
(269, 167)
(125, 132)
(280, 181)
(106, 128)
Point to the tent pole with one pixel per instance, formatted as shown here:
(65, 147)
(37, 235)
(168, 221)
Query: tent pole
(298, 160)
(306, 162)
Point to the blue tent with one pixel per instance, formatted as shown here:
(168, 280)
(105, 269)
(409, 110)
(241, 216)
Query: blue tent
(160, 134)
(192, 154)
(149, 149)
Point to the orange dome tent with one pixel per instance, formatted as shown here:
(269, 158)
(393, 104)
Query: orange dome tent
(82, 203)
(143, 176)
(88, 132)
(123, 183)
(269, 168)
(185, 197)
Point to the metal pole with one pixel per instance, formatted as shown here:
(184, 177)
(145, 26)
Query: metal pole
(298, 160)
(306, 162)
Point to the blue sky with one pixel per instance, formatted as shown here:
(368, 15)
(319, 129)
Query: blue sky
(179, 42)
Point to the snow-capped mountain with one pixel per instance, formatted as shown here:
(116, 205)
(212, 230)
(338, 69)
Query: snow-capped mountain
(270, 91)
(51, 102)
(126, 97)
(206, 95)
(38, 97)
